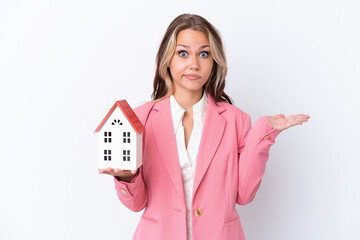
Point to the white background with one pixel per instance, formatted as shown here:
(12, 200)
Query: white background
(63, 64)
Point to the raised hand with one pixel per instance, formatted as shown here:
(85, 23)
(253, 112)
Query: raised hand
(281, 122)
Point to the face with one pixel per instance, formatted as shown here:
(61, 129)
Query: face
(192, 62)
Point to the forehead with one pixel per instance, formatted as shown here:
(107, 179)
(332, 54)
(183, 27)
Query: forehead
(192, 38)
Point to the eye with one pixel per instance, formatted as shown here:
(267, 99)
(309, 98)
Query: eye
(204, 54)
(182, 53)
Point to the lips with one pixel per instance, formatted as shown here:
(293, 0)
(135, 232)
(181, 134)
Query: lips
(192, 76)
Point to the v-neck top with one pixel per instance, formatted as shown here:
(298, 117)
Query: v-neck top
(187, 156)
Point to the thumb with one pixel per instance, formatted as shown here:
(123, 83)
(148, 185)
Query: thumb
(133, 171)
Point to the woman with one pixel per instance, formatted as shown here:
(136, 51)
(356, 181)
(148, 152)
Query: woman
(200, 153)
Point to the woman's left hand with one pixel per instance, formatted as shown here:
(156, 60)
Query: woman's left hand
(281, 122)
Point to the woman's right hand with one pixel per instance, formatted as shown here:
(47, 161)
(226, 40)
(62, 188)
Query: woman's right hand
(119, 174)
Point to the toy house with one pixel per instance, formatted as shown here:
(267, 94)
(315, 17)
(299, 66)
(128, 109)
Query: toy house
(120, 138)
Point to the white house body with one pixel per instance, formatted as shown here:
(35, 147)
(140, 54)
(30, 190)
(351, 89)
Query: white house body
(120, 144)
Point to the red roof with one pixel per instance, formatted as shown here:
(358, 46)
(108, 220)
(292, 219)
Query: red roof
(129, 114)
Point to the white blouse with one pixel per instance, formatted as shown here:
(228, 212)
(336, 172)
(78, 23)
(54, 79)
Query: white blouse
(188, 156)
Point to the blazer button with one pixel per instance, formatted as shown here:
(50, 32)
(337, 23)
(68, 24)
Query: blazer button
(198, 212)
(123, 191)
(266, 137)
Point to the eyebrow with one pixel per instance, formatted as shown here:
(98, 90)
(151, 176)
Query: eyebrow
(186, 46)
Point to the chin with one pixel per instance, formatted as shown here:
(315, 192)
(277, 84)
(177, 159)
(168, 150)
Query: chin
(195, 89)
(192, 86)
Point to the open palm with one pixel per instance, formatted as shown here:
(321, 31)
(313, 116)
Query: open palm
(281, 122)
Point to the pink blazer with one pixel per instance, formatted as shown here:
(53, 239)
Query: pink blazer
(230, 164)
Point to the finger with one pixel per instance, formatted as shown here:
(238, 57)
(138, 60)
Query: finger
(101, 170)
(302, 115)
(296, 118)
(117, 170)
(279, 116)
(301, 118)
(299, 115)
(294, 123)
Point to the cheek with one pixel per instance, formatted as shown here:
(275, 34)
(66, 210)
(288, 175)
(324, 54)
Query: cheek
(177, 69)
(175, 72)
(209, 67)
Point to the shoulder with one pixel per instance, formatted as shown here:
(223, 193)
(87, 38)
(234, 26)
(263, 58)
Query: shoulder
(234, 111)
(142, 111)
(145, 107)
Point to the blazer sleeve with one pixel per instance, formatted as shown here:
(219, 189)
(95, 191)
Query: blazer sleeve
(253, 147)
(133, 194)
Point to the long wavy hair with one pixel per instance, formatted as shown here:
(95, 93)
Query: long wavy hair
(163, 83)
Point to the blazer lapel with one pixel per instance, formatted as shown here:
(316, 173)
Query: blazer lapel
(213, 130)
(163, 129)
(165, 140)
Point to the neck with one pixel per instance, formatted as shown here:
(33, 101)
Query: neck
(188, 99)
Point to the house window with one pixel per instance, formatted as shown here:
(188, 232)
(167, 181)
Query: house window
(107, 155)
(107, 137)
(126, 155)
(126, 137)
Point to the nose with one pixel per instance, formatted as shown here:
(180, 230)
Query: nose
(194, 64)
